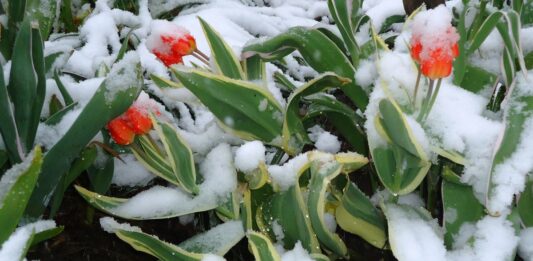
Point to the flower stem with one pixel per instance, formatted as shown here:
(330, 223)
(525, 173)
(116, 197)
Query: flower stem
(202, 54)
(433, 99)
(416, 87)
(202, 59)
(425, 103)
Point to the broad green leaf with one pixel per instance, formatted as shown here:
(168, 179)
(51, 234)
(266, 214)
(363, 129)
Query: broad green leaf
(261, 247)
(459, 204)
(341, 11)
(8, 128)
(179, 156)
(110, 204)
(153, 159)
(218, 240)
(486, 28)
(525, 204)
(87, 157)
(350, 161)
(295, 224)
(225, 60)
(124, 46)
(55, 118)
(321, 175)
(230, 209)
(318, 51)
(398, 130)
(247, 110)
(517, 113)
(294, 133)
(399, 171)
(100, 176)
(342, 117)
(40, 88)
(152, 245)
(477, 79)
(111, 99)
(357, 215)
(23, 85)
(288, 86)
(16, 187)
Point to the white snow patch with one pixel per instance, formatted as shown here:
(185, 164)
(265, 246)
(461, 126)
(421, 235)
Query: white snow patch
(249, 156)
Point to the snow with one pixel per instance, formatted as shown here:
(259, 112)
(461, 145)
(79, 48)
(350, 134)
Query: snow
(249, 156)
(525, 247)
(298, 253)
(278, 231)
(11, 176)
(509, 177)
(380, 10)
(331, 224)
(220, 179)
(12, 249)
(286, 175)
(123, 75)
(110, 225)
(366, 74)
(413, 238)
(216, 238)
(130, 172)
(324, 140)
(210, 257)
(434, 31)
(160, 29)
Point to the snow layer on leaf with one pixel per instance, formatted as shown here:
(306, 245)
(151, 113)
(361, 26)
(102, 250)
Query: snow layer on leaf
(10, 177)
(12, 249)
(123, 75)
(380, 10)
(509, 177)
(413, 238)
(110, 225)
(286, 175)
(525, 247)
(298, 253)
(324, 140)
(130, 172)
(493, 239)
(249, 156)
(220, 179)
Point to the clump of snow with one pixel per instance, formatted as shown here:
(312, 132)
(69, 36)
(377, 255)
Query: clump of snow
(11, 176)
(413, 238)
(324, 140)
(110, 225)
(278, 231)
(130, 172)
(211, 257)
(298, 253)
(380, 10)
(216, 238)
(49, 135)
(525, 247)
(286, 175)
(12, 249)
(329, 220)
(249, 156)
(434, 31)
(366, 74)
(123, 75)
(493, 239)
(220, 179)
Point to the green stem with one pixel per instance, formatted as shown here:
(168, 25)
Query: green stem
(416, 87)
(426, 101)
(433, 99)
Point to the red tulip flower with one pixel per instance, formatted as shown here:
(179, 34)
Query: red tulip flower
(170, 42)
(121, 131)
(416, 49)
(139, 120)
(440, 63)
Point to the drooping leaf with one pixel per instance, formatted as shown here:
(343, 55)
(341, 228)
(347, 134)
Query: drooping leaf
(247, 110)
(459, 204)
(294, 133)
(318, 51)
(321, 175)
(357, 215)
